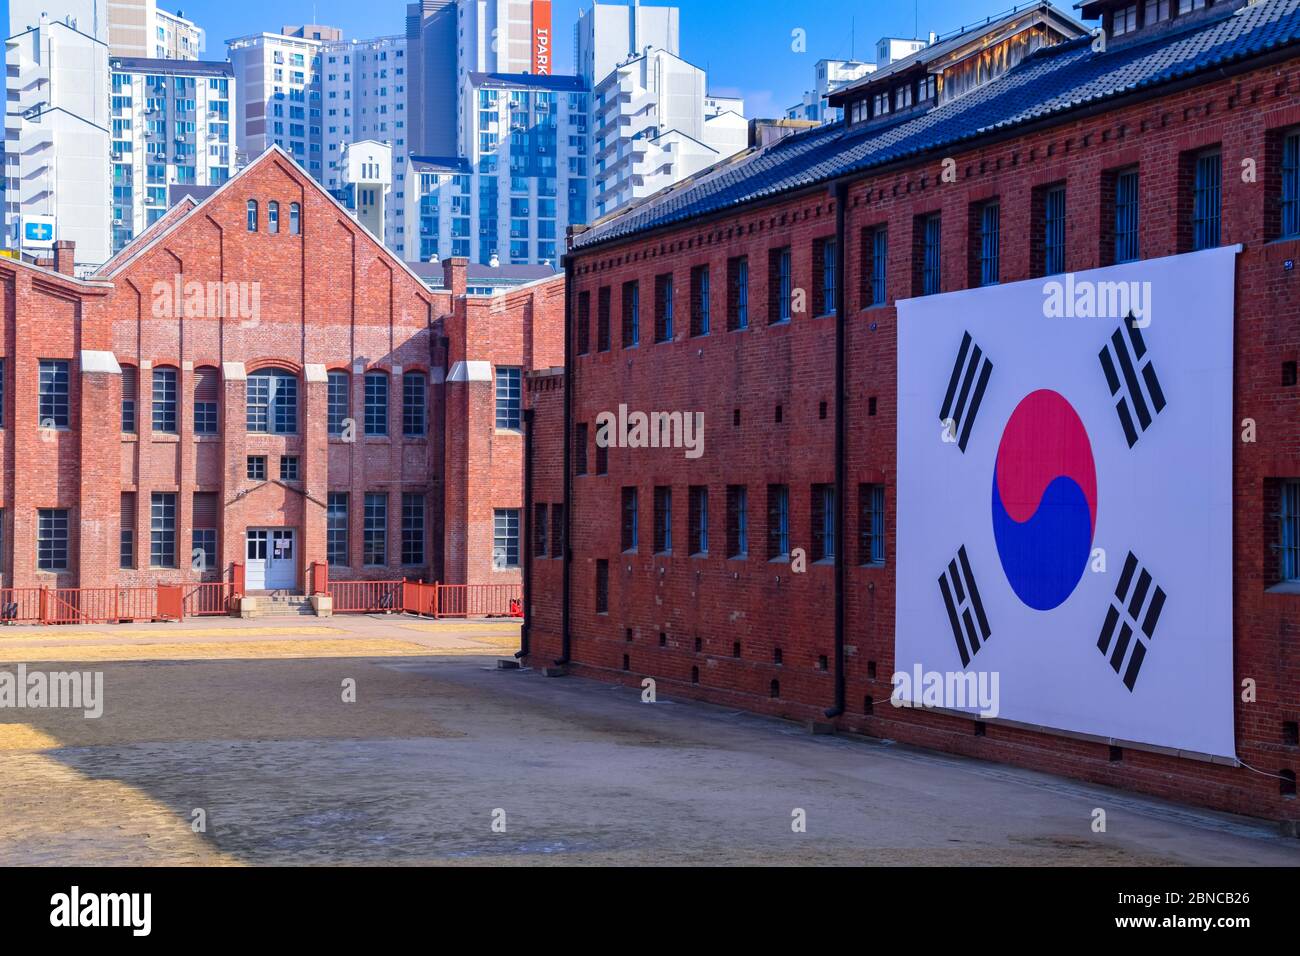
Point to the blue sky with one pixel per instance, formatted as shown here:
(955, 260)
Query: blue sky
(744, 44)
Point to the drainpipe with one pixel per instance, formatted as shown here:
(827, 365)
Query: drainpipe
(528, 532)
(841, 428)
(567, 557)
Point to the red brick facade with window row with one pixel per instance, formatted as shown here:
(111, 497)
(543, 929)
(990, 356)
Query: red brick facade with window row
(751, 634)
(319, 297)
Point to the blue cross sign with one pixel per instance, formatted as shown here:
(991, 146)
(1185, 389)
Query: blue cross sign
(38, 231)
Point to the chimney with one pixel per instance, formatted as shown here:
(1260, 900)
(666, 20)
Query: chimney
(64, 254)
(455, 274)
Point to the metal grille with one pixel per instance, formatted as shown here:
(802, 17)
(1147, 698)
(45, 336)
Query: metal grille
(1206, 192)
(990, 226)
(1126, 216)
(930, 255)
(1291, 186)
(1289, 537)
(1054, 230)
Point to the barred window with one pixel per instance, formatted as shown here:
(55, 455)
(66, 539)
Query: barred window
(737, 521)
(780, 288)
(778, 522)
(603, 306)
(875, 248)
(509, 397)
(339, 400)
(376, 403)
(700, 319)
(1054, 231)
(505, 538)
(631, 526)
(931, 239)
(273, 402)
(602, 586)
(990, 243)
(1291, 185)
(374, 543)
(664, 308)
(1206, 199)
(583, 329)
(162, 530)
(663, 520)
(336, 529)
(53, 404)
(631, 314)
(413, 528)
(871, 524)
(738, 300)
(52, 539)
(699, 519)
(1126, 216)
(414, 403)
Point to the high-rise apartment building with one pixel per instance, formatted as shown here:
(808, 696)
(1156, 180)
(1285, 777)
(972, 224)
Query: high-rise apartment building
(519, 184)
(138, 28)
(171, 125)
(364, 98)
(609, 34)
(279, 78)
(653, 125)
(57, 132)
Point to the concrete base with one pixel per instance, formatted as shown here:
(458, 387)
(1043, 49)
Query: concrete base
(248, 608)
(507, 664)
(323, 605)
(821, 727)
(555, 671)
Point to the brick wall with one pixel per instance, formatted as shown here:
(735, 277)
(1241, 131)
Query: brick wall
(324, 298)
(749, 633)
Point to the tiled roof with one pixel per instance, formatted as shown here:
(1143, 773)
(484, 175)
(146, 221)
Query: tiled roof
(1053, 81)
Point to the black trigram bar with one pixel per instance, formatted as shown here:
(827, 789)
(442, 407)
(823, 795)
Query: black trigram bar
(1133, 382)
(1130, 618)
(966, 387)
(961, 598)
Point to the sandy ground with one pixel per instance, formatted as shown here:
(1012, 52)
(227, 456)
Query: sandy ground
(229, 743)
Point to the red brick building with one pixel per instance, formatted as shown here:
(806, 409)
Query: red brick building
(764, 293)
(256, 380)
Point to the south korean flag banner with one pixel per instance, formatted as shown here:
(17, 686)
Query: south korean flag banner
(1064, 500)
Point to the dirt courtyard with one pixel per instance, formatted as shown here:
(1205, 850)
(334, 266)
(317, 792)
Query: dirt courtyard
(232, 743)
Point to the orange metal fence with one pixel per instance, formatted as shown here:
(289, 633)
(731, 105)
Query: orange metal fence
(361, 597)
(78, 605)
(208, 599)
(478, 600)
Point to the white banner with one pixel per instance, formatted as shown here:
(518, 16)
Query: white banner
(1064, 498)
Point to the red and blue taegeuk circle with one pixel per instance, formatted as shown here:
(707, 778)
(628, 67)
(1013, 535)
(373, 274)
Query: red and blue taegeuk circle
(1044, 500)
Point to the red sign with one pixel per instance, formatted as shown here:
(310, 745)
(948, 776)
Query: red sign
(542, 37)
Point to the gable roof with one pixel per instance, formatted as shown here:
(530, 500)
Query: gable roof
(147, 241)
(178, 209)
(1052, 82)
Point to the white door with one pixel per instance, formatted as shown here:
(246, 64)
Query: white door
(270, 560)
(255, 560)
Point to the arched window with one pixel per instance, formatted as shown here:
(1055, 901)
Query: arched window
(164, 400)
(273, 402)
(339, 400)
(252, 215)
(414, 401)
(295, 219)
(273, 217)
(207, 395)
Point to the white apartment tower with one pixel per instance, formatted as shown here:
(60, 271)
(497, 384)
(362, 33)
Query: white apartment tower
(279, 80)
(57, 128)
(611, 33)
(364, 98)
(654, 125)
(829, 76)
(171, 125)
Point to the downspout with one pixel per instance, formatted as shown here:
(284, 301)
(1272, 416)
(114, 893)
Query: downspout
(528, 531)
(841, 429)
(567, 556)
